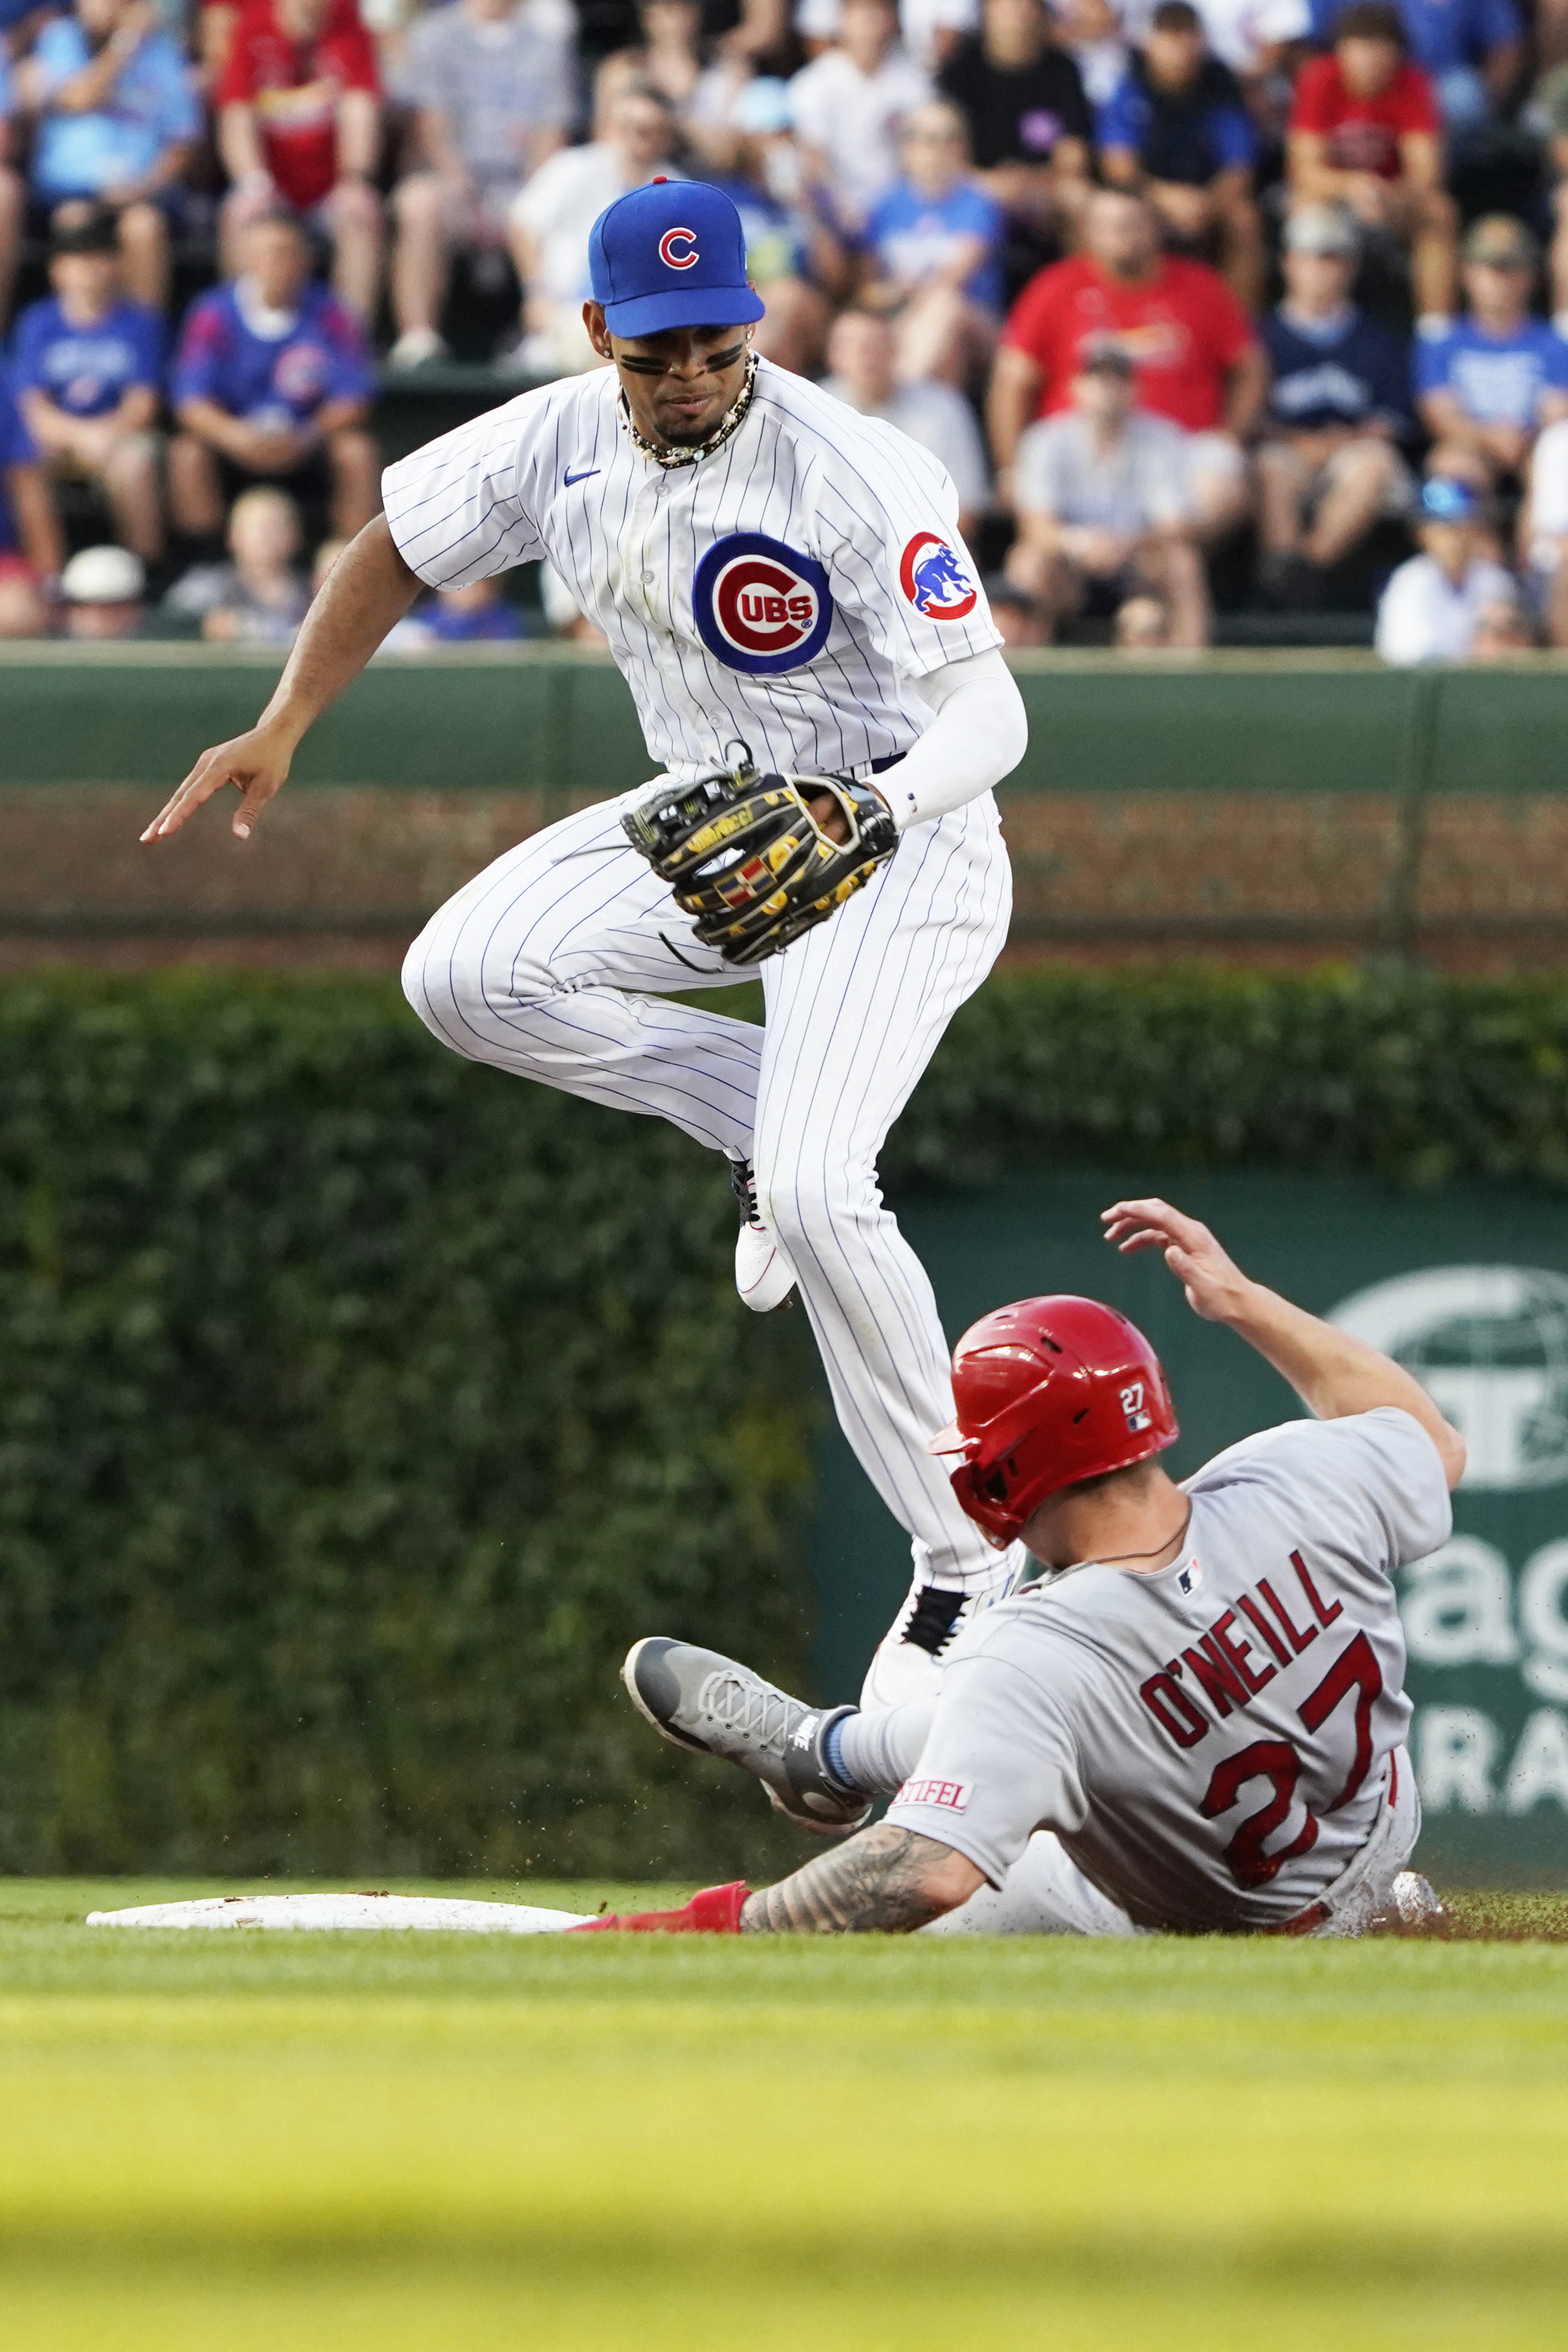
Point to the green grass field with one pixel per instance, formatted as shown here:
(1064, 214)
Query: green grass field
(398, 2141)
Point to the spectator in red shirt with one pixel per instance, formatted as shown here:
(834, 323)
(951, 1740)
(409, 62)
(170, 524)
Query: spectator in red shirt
(300, 123)
(1191, 343)
(1365, 133)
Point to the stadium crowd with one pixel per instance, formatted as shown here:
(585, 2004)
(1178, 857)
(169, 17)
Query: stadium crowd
(1265, 294)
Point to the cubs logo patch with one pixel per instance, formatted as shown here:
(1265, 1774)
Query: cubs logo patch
(760, 607)
(934, 580)
(678, 248)
(300, 373)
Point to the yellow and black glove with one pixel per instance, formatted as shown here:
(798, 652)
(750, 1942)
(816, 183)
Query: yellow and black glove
(744, 854)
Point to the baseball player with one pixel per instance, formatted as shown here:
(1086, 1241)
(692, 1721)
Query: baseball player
(1193, 1720)
(784, 587)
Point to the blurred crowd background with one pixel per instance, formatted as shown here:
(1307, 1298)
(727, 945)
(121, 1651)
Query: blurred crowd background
(1234, 318)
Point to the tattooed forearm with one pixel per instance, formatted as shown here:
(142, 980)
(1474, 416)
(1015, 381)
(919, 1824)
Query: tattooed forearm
(886, 1880)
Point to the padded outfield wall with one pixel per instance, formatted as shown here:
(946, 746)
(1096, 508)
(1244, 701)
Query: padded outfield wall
(1269, 809)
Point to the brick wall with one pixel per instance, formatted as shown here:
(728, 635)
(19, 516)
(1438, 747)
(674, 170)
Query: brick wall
(1272, 810)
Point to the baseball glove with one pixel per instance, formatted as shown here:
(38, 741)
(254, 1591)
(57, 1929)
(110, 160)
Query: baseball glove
(744, 856)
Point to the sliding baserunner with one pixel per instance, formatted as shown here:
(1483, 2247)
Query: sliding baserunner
(783, 585)
(1194, 1720)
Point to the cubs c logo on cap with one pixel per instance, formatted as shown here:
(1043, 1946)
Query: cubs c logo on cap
(934, 580)
(678, 248)
(760, 607)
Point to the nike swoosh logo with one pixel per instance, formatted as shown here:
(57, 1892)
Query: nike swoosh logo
(568, 478)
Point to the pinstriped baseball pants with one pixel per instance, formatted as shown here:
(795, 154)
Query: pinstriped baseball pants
(549, 964)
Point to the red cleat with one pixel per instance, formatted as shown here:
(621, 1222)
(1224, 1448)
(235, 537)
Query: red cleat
(715, 1911)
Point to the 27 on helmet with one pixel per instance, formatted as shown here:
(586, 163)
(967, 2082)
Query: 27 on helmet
(1049, 1390)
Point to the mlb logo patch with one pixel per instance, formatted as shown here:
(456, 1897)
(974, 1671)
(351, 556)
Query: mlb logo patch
(1133, 1407)
(934, 578)
(759, 605)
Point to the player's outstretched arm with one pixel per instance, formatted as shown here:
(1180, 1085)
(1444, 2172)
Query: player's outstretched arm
(884, 1882)
(369, 589)
(1333, 1373)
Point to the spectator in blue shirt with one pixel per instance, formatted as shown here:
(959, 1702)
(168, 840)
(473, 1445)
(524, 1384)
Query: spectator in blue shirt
(1489, 382)
(1329, 467)
(31, 549)
(272, 382)
(475, 615)
(118, 123)
(12, 195)
(1473, 49)
(1177, 130)
(89, 370)
(934, 244)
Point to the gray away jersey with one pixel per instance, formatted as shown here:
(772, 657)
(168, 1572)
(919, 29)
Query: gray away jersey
(783, 590)
(1211, 1742)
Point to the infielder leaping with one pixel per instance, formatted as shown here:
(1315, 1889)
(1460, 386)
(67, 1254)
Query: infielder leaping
(1194, 1720)
(777, 572)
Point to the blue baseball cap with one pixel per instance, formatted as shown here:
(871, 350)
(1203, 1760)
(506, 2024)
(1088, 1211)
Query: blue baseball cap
(671, 255)
(1443, 500)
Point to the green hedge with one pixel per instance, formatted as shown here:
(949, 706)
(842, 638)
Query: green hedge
(357, 1407)
(1414, 1078)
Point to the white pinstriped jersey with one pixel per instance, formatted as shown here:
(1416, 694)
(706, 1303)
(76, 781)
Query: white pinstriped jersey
(784, 589)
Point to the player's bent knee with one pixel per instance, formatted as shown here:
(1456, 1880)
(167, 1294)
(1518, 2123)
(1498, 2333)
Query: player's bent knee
(465, 1002)
(444, 985)
(445, 993)
(418, 977)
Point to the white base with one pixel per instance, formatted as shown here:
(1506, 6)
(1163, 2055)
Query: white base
(339, 1911)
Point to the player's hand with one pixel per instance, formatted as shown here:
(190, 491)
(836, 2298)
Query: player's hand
(256, 763)
(1216, 1288)
(829, 816)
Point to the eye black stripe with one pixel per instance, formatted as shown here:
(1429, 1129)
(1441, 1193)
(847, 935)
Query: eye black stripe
(715, 365)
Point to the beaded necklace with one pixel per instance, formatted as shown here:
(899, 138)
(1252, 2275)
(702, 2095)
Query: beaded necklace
(716, 439)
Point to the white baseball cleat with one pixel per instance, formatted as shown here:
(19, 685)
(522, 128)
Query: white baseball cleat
(764, 1275)
(908, 1660)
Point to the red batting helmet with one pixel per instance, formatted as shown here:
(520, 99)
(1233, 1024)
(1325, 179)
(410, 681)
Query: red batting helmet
(1048, 1391)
